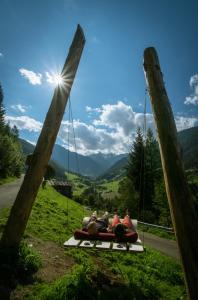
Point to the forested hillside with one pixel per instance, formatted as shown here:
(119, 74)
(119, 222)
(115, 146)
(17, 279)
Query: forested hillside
(11, 156)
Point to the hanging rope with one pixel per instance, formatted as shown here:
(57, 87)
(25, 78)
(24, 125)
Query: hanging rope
(74, 136)
(68, 155)
(142, 168)
(144, 134)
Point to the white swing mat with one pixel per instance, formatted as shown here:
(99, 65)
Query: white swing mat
(87, 244)
(135, 247)
(72, 242)
(103, 245)
(119, 246)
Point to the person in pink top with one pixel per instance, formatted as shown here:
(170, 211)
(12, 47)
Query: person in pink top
(120, 228)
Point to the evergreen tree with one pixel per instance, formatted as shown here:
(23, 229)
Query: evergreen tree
(11, 157)
(151, 168)
(135, 166)
(2, 111)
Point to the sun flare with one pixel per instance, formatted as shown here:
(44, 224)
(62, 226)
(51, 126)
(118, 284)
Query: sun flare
(58, 79)
(54, 78)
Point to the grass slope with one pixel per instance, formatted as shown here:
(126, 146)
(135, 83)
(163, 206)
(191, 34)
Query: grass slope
(93, 274)
(108, 189)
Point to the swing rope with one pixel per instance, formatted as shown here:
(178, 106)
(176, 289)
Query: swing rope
(71, 125)
(142, 168)
(144, 134)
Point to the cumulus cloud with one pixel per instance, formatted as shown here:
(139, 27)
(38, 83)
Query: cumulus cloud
(90, 109)
(185, 122)
(119, 117)
(24, 123)
(112, 132)
(50, 78)
(193, 98)
(32, 77)
(19, 107)
(90, 139)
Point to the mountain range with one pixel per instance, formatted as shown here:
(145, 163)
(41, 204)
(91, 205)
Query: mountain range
(63, 160)
(109, 165)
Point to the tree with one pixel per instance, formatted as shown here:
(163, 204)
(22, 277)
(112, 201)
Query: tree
(152, 169)
(128, 199)
(2, 111)
(11, 157)
(135, 166)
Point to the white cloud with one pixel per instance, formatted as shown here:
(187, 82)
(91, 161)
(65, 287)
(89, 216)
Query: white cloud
(32, 77)
(185, 122)
(193, 80)
(19, 107)
(1, 54)
(49, 78)
(120, 117)
(112, 132)
(24, 123)
(90, 139)
(193, 98)
(90, 109)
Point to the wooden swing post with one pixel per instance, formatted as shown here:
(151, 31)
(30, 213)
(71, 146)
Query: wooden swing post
(22, 206)
(182, 210)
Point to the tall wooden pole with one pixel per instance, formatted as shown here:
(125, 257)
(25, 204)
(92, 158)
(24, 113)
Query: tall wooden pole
(22, 207)
(183, 212)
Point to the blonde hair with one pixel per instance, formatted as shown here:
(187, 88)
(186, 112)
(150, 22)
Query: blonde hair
(92, 228)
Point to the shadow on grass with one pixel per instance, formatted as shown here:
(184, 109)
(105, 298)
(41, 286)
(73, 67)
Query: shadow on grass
(17, 267)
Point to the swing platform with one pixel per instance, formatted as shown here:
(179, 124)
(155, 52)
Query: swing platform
(103, 245)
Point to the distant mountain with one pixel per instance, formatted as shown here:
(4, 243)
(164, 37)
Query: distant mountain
(106, 160)
(28, 148)
(108, 165)
(117, 170)
(77, 163)
(63, 160)
(188, 139)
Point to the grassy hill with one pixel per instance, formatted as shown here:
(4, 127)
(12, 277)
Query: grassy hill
(87, 274)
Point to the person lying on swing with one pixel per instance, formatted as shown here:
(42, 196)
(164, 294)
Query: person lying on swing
(94, 226)
(120, 228)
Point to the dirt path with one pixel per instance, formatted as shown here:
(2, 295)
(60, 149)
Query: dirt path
(8, 192)
(165, 246)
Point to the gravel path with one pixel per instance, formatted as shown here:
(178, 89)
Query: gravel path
(165, 246)
(9, 191)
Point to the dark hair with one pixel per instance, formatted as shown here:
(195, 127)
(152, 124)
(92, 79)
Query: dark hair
(119, 231)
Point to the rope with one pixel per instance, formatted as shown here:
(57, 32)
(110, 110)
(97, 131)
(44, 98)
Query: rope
(72, 121)
(68, 165)
(144, 134)
(142, 168)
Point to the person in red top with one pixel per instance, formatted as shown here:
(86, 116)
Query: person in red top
(120, 228)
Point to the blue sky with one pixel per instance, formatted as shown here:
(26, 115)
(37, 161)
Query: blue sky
(108, 93)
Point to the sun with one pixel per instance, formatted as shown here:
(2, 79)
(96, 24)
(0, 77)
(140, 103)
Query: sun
(58, 79)
(54, 78)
